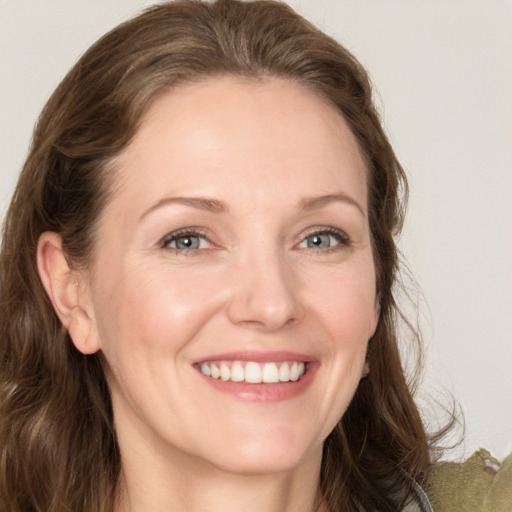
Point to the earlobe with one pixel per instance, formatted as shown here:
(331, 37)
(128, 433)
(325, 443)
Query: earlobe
(373, 327)
(67, 292)
(375, 318)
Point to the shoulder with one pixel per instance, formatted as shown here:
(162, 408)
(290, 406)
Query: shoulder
(481, 483)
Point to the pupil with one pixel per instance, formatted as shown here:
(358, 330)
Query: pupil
(319, 241)
(187, 242)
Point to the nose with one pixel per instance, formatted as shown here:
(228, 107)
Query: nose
(264, 294)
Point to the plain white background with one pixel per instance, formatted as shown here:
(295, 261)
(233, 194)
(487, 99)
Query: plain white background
(443, 76)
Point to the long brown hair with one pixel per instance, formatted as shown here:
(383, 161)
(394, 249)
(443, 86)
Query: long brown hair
(58, 444)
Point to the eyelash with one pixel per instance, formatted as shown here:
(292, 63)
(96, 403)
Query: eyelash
(341, 237)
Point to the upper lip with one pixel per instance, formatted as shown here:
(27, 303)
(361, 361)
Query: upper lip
(257, 356)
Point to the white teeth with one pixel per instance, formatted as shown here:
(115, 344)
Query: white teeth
(294, 371)
(270, 373)
(237, 373)
(215, 372)
(253, 372)
(205, 369)
(284, 372)
(225, 373)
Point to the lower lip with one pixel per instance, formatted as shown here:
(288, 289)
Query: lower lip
(268, 393)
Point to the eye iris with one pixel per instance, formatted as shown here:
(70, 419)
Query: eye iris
(187, 242)
(319, 240)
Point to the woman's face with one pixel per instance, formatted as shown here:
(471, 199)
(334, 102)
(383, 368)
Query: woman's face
(236, 243)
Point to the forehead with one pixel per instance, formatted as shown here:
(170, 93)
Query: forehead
(229, 133)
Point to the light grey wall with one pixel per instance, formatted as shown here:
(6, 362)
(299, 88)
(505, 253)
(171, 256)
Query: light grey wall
(443, 74)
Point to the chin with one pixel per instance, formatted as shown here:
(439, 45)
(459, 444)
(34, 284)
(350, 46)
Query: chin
(265, 456)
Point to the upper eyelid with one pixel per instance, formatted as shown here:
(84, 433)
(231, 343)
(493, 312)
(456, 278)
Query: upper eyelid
(324, 229)
(183, 232)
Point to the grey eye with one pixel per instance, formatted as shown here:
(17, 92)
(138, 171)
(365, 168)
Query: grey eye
(320, 241)
(188, 242)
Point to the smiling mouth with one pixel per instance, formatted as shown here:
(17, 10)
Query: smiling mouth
(252, 372)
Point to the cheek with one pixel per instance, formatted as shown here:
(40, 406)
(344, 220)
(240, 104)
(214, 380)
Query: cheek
(345, 300)
(152, 308)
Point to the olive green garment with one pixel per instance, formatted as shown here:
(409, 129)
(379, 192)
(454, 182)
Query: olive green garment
(480, 484)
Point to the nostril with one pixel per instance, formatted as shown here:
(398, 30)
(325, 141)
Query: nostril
(254, 311)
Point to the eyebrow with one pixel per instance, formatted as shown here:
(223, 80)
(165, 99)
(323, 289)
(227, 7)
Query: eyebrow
(215, 206)
(313, 203)
(201, 203)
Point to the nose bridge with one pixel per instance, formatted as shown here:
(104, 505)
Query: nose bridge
(264, 291)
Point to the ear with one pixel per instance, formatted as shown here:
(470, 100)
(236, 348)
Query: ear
(374, 321)
(68, 292)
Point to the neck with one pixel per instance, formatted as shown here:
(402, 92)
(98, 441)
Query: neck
(183, 485)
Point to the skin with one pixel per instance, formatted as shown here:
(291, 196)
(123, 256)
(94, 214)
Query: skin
(257, 283)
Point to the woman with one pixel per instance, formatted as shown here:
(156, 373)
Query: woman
(200, 311)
